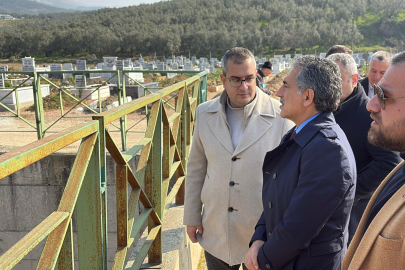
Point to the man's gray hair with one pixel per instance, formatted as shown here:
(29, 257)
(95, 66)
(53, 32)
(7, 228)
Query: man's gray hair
(398, 59)
(238, 55)
(323, 77)
(382, 56)
(348, 63)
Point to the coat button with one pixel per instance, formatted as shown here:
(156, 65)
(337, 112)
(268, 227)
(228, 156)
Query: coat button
(232, 183)
(268, 266)
(230, 209)
(269, 233)
(270, 205)
(234, 158)
(274, 176)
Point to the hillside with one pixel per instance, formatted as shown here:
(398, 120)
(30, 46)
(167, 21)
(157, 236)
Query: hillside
(210, 26)
(28, 7)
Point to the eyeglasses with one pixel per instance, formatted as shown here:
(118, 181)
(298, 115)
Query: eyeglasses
(236, 82)
(380, 94)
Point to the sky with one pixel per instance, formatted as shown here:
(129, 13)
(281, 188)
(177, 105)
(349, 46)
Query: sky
(118, 3)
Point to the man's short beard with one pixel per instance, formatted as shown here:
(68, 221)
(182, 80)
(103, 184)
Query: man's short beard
(393, 139)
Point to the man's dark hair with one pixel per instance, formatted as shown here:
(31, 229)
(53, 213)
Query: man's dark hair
(323, 77)
(238, 55)
(398, 58)
(338, 49)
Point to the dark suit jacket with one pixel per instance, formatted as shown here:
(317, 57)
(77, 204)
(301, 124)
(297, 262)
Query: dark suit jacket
(308, 192)
(373, 163)
(365, 84)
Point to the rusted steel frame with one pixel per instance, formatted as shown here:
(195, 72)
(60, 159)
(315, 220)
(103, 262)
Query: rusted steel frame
(14, 89)
(166, 180)
(179, 109)
(153, 234)
(21, 157)
(132, 211)
(134, 105)
(91, 215)
(19, 116)
(12, 256)
(166, 144)
(56, 121)
(113, 149)
(122, 98)
(173, 193)
(118, 112)
(173, 117)
(76, 99)
(66, 256)
(136, 148)
(143, 198)
(122, 205)
(150, 129)
(38, 106)
(138, 224)
(67, 203)
(155, 252)
(136, 124)
(119, 258)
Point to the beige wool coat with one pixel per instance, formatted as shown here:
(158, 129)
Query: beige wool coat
(223, 184)
(383, 244)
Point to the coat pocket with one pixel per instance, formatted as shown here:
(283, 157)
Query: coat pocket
(204, 188)
(389, 244)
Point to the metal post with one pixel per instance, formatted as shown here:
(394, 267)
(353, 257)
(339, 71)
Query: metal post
(155, 252)
(39, 113)
(90, 217)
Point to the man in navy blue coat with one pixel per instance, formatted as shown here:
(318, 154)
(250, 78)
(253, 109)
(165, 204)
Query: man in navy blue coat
(309, 180)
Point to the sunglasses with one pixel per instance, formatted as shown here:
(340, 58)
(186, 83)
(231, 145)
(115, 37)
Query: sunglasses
(378, 91)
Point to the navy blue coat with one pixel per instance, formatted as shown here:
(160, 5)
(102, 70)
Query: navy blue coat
(308, 191)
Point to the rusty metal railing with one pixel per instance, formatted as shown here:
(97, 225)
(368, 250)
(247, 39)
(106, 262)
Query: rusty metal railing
(162, 159)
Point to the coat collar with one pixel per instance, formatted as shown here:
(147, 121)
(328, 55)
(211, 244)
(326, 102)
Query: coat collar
(263, 106)
(362, 244)
(324, 120)
(258, 123)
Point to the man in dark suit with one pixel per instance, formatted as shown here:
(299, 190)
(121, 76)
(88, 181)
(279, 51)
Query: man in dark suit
(373, 163)
(379, 63)
(309, 179)
(379, 240)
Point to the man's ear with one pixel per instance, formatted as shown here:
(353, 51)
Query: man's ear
(355, 79)
(308, 95)
(223, 79)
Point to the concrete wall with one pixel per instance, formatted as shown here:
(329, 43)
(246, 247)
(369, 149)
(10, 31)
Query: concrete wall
(28, 196)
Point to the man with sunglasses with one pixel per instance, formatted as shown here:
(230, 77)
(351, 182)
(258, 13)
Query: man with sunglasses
(232, 134)
(379, 239)
(373, 163)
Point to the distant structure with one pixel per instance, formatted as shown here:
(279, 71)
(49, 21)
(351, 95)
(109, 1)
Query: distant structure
(6, 17)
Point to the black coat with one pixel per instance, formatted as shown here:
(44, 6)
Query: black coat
(365, 84)
(373, 163)
(308, 192)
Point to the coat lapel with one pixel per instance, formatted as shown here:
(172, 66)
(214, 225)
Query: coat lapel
(219, 127)
(217, 122)
(259, 123)
(378, 223)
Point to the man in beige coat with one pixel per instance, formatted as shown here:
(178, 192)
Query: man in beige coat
(379, 239)
(224, 173)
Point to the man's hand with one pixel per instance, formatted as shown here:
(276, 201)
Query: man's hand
(192, 232)
(251, 255)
